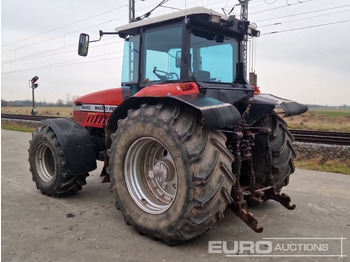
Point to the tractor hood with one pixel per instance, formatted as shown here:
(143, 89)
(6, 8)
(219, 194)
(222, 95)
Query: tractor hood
(105, 97)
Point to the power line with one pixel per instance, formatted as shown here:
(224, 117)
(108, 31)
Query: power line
(302, 19)
(60, 50)
(309, 12)
(305, 27)
(76, 31)
(66, 63)
(55, 51)
(273, 1)
(279, 7)
(52, 38)
(57, 28)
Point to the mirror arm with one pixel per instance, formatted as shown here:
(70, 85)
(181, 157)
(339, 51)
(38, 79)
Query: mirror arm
(103, 33)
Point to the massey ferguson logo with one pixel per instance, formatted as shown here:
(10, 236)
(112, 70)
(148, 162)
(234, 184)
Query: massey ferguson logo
(98, 108)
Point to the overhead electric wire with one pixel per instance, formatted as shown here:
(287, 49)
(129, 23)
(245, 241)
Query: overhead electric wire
(305, 27)
(59, 65)
(274, 1)
(57, 28)
(309, 12)
(70, 62)
(51, 52)
(279, 7)
(56, 51)
(21, 59)
(76, 31)
(52, 38)
(304, 18)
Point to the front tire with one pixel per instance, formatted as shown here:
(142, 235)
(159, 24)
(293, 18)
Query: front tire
(47, 165)
(172, 180)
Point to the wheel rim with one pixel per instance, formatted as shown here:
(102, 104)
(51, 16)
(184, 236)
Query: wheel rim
(45, 163)
(150, 175)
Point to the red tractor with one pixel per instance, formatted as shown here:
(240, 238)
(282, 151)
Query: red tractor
(186, 135)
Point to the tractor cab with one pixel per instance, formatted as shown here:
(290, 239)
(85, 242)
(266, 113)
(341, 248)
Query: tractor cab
(195, 45)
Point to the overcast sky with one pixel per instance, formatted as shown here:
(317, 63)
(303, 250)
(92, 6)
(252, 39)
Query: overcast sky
(306, 59)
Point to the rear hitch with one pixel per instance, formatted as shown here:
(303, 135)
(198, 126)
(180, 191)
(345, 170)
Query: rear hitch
(242, 144)
(239, 206)
(259, 196)
(241, 211)
(283, 198)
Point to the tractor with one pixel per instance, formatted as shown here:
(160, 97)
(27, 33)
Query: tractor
(183, 138)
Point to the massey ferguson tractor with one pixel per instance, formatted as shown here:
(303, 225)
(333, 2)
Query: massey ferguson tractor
(183, 138)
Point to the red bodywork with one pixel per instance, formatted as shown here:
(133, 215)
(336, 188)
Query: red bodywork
(88, 110)
(169, 89)
(94, 109)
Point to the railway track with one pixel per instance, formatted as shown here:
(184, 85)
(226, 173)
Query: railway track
(25, 117)
(321, 137)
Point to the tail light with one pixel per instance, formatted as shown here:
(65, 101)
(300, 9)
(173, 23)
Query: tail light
(188, 86)
(256, 90)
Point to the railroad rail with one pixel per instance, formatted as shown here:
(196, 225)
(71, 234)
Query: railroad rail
(322, 137)
(308, 136)
(25, 117)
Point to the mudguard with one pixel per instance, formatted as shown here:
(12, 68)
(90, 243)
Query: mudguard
(215, 113)
(76, 144)
(265, 104)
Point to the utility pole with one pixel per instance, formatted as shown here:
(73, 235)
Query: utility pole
(131, 11)
(253, 77)
(244, 17)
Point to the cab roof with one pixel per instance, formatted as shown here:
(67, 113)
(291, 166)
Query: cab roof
(134, 27)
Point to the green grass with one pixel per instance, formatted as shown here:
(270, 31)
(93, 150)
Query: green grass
(334, 166)
(336, 120)
(333, 112)
(42, 111)
(17, 127)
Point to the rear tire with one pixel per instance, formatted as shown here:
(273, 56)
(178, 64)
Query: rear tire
(47, 165)
(172, 180)
(283, 153)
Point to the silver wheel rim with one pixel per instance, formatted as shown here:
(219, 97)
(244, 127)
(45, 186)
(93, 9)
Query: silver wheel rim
(150, 175)
(45, 163)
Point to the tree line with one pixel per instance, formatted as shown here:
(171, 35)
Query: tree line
(29, 103)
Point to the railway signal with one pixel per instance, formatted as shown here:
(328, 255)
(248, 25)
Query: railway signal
(33, 85)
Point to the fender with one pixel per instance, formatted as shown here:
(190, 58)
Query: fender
(265, 104)
(215, 113)
(76, 144)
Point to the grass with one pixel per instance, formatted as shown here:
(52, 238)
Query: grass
(42, 111)
(334, 166)
(17, 127)
(336, 120)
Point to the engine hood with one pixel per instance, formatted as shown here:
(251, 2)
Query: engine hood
(113, 96)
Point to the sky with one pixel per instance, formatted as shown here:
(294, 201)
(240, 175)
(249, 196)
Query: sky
(303, 53)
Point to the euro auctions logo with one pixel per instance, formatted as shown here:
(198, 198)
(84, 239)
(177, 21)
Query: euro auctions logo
(280, 247)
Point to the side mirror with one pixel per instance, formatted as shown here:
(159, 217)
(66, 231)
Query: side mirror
(83, 44)
(178, 59)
